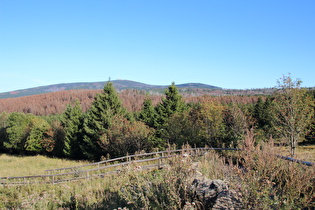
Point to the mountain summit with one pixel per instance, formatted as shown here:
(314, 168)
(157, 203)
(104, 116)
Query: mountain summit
(119, 85)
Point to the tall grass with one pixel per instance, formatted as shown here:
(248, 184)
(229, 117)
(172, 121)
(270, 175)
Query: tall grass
(261, 180)
(131, 188)
(268, 182)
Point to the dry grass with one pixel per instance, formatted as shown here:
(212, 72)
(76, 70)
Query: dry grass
(31, 165)
(262, 180)
(305, 153)
(218, 169)
(132, 188)
(268, 182)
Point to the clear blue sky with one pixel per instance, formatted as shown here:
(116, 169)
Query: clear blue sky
(236, 44)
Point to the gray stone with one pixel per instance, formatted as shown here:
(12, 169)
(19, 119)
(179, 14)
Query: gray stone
(215, 194)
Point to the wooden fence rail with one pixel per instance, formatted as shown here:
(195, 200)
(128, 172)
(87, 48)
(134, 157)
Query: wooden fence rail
(116, 165)
(112, 166)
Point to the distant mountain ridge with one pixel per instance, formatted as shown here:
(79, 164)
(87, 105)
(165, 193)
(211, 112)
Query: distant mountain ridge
(119, 85)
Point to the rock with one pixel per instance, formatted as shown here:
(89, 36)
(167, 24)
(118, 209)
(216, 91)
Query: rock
(214, 194)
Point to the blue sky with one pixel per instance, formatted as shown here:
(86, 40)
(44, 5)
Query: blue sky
(237, 44)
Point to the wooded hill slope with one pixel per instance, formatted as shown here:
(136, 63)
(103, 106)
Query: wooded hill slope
(118, 84)
(56, 102)
(191, 88)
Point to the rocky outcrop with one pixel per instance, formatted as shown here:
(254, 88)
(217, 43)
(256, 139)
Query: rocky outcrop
(214, 194)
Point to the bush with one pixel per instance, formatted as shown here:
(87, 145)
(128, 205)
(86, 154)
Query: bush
(268, 182)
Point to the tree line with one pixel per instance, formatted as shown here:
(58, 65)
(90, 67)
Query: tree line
(107, 129)
(132, 99)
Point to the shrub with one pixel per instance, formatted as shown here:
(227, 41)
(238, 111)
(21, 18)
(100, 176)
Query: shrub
(268, 182)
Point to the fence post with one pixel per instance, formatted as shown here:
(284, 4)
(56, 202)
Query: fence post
(159, 167)
(160, 161)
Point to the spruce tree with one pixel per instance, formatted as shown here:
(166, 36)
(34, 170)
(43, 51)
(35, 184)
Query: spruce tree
(148, 114)
(172, 103)
(259, 113)
(98, 119)
(72, 124)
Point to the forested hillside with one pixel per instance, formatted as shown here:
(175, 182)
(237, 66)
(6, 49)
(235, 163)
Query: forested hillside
(56, 102)
(118, 84)
(85, 124)
(196, 89)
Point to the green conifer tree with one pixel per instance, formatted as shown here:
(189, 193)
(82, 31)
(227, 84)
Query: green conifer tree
(71, 121)
(259, 113)
(98, 119)
(148, 114)
(172, 103)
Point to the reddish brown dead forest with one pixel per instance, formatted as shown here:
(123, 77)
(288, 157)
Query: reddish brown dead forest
(56, 102)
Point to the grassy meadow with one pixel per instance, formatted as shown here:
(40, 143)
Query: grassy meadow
(36, 165)
(260, 179)
(32, 165)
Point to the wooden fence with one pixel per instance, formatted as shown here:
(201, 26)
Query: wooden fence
(113, 166)
(102, 168)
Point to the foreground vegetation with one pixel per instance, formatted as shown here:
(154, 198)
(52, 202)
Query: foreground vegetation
(11, 165)
(255, 175)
